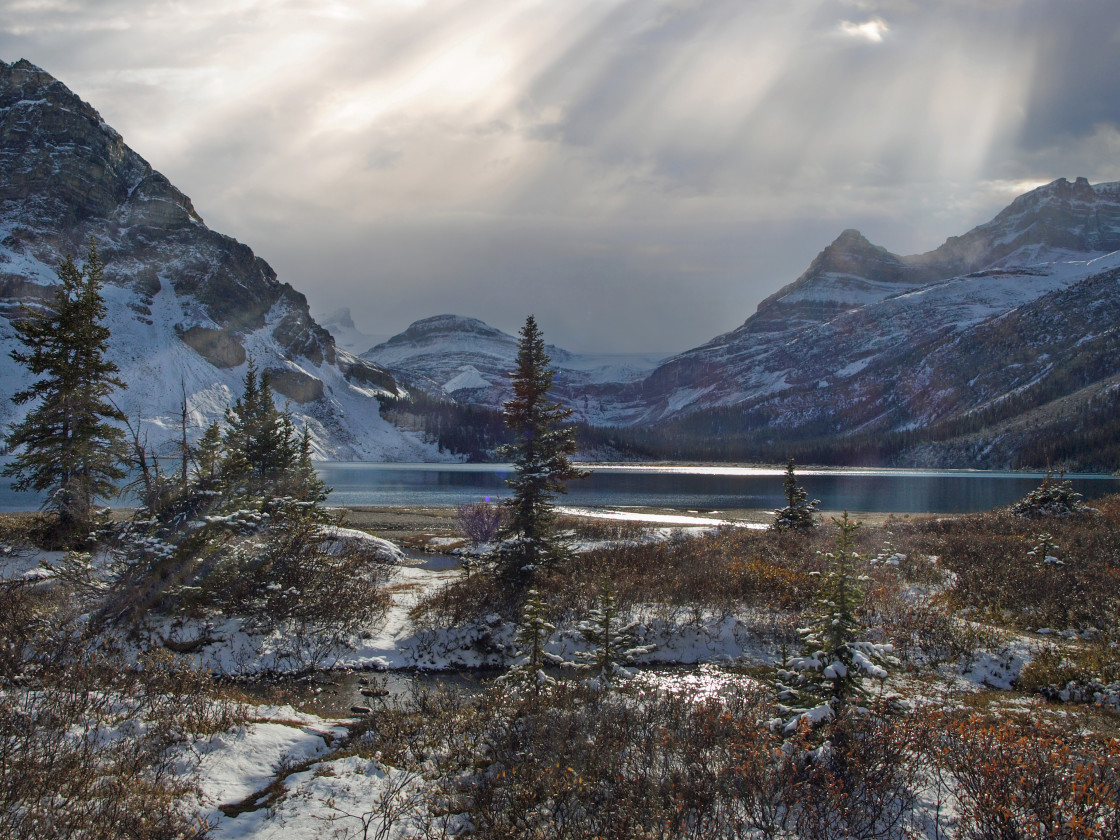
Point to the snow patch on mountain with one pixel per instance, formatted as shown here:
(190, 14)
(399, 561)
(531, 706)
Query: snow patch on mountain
(468, 378)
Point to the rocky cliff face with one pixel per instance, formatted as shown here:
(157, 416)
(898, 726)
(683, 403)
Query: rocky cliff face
(187, 304)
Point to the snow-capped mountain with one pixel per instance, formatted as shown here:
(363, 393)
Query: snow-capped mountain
(340, 324)
(984, 348)
(1001, 342)
(187, 306)
(470, 361)
(868, 342)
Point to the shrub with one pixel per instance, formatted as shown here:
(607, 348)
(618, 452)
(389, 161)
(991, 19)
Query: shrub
(1052, 498)
(1016, 779)
(480, 522)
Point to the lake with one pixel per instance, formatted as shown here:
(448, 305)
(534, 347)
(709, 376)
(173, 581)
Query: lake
(700, 487)
(691, 488)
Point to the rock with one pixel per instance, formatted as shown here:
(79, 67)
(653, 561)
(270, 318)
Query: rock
(295, 385)
(215, 346)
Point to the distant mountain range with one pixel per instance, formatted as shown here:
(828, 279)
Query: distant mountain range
(997, 349)
(470, 361)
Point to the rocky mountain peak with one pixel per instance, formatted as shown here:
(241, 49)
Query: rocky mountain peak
(850, 271)
(65, 176)
(438, 327)
(1057, 217)
(68, 167)
(186, 305)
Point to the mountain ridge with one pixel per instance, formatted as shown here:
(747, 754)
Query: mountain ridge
(869, 343)
(188, 305)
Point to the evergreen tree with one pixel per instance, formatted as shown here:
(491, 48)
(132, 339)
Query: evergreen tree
(540, 453)
(830, 671)
(208, 457)
(264, 460)
(531, 658)
(610, 642)
(66, 444)
(304, 483)
(258, 439)
(798, 512)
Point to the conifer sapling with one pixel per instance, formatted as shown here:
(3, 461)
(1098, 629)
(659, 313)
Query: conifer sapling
(830, 672)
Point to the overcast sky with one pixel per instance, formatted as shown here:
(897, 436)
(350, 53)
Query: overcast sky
(637, 173)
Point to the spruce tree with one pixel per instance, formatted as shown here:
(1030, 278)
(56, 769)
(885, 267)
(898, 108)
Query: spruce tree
(835, 660)
(258, 439)
(207, 457)
(66, 445)
(264, 461)
(798, 512)
(610, 642)
(303, 483)
(540, 453)
(527, 672)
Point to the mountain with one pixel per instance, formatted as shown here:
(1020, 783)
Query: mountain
(340, 324)
(469, 361)
(935, 349)
(998, 349)
(187, 305)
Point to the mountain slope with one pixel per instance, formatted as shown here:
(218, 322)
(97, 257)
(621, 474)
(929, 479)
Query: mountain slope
(469, 361)
(867, 342)
(187, 305)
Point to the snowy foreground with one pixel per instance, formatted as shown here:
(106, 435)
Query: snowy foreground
(283, 773)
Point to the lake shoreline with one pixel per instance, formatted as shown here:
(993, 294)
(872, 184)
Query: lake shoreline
(401, 522)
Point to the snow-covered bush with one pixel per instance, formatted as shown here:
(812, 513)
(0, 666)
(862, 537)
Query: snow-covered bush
(1052, 498)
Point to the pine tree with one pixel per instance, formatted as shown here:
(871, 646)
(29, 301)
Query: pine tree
(610, 642)
(304, 484)
(540, 453)
(527, 672)
(67, 446)
(798, 512)
(264, 461)
(258, 439)
(208, 457)
(830, 671)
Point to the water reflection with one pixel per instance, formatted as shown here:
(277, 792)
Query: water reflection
(674, 486)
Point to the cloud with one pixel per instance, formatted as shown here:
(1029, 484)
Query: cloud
(674, 159)
(871, 30)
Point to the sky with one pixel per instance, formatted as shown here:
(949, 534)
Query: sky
(638, 174)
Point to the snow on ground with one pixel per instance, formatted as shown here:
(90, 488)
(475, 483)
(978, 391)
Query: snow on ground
(658, 518)
(331, 799)
(234, 765)
(277, 773)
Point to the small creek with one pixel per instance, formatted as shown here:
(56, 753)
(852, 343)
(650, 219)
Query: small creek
(332, 694)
